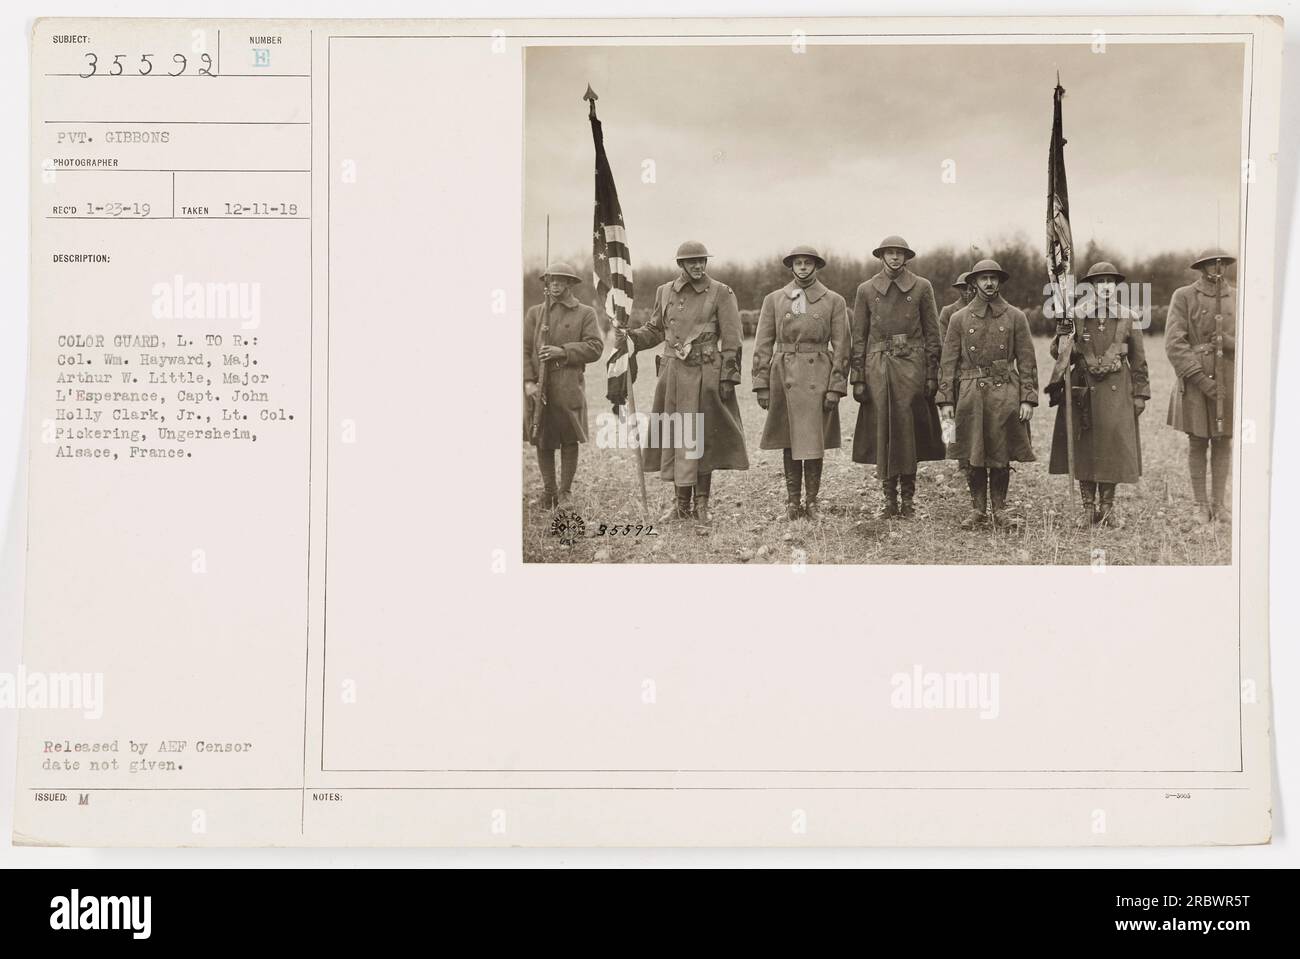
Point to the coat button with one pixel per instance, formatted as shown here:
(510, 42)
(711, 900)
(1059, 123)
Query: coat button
(787, 316)
(909, 299)
(810, 359)
(1001, 330)
(1113, 387)
(972, 329)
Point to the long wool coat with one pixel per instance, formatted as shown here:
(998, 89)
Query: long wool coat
(1189, 343)
(896, 349)
(945, 316)
(799, 357)
(701, 320)
(571, 325)
(1108, 372)
(990, 352)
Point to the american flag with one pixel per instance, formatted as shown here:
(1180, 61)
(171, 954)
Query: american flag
(1060, 245)
(610, 262)
(1060, 272)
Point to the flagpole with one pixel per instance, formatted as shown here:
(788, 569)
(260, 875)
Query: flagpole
(630, 412)
(1064, 341)
(635, 430)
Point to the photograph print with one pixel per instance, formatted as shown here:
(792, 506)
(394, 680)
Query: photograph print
(881, 303)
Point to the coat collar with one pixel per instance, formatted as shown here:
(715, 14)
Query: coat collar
(905, 280)
(1208, 288)
(813, 293)
(698, 286)
(980, 306)
(569, 301)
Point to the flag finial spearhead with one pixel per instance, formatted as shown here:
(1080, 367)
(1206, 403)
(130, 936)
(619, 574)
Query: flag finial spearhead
(591, 98)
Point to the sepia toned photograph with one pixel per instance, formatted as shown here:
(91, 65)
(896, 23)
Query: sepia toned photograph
(886, 303)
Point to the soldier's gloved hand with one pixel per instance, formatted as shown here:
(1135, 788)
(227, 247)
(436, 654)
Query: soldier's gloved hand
(1139, 404)
(726, 390)
(832, 400)
(1026, 411)
(1206, 385)
(530, 389)
(931, 387)
(947, 412)
(620, 337)
(551, 353)
(763, 398)
(859, 391)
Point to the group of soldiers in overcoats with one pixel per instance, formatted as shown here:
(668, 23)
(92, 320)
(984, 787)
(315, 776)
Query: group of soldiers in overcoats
(959, 383)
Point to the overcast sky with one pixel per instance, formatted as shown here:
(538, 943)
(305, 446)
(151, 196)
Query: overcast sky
(758, 148)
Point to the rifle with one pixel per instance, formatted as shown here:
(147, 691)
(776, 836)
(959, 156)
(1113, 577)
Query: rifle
(539, 340)
(1218, 348)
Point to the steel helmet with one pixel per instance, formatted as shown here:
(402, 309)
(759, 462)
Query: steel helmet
(692, 250)
(560, 268)
(960, 282)
(803, 249)
(1104, 269)
(896, 242)
(1209, 256)
(988, 266)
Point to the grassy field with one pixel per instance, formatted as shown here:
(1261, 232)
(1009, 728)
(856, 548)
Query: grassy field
(748, 507)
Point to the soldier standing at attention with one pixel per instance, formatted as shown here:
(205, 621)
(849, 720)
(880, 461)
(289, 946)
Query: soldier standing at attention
(698, 320)
(964, 293)
(801, 366)
(1109, 379)
(560, 339)
(989, 351)
(1201, 342)
(895, 372)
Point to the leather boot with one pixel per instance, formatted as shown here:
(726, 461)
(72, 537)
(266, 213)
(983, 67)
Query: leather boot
(546, 463)
(1197, 448)
(1088, 505)
(568, 468)
(1108, 514)
(890, 488)
(681, 508)
(793, 481)
(907, 486)
(999, 481)
(812, 476)
(977, 478)
(703, 483)
(1220, 470)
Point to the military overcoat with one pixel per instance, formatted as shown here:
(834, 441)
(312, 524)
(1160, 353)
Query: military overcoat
(895, 350)
(801, 353)
(1189, 342)
(698, 321)
(571, 325)
(990, 352)
(1108, 372)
